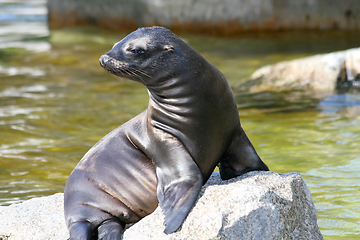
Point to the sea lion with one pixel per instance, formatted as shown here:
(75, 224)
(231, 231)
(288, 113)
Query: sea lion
(165, 154)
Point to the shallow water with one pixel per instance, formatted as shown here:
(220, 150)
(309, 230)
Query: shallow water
(56, 102)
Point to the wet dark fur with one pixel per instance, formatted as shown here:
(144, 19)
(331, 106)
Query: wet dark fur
(165, 154)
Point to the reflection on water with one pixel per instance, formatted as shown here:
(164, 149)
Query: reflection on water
(13, 71)
(337, 197)
(346, 104)
(21, 20)
(56, 102)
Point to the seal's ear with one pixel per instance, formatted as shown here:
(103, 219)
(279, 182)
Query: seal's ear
(169, 48)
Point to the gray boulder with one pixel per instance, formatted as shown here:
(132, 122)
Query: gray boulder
(257, 205)
(323, 73)
(35, 219)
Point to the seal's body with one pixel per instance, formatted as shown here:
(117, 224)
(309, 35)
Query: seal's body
(166, 153)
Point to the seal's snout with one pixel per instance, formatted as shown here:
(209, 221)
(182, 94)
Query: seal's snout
(109, 64)
(104, 60)
(114, 66)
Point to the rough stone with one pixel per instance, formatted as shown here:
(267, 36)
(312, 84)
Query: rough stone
(211, 16)
(323, 73)
(35, 219)
(257, 205)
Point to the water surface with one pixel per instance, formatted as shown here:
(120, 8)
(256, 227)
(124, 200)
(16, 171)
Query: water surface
(56, 102)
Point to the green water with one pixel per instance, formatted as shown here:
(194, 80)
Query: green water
(56, 102)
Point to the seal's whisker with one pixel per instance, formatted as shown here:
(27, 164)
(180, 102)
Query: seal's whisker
(118, 77)
(137, 75)
(128, 72)
(132, 73)
(140, 71)
(119, 67)
(114, 71)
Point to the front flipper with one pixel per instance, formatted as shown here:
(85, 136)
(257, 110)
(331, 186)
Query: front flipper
(177, 194)
(179, 181)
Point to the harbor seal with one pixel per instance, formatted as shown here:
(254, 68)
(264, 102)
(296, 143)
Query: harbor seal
(165, 154)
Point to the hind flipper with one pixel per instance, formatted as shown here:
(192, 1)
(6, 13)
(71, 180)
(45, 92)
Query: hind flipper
(110, 230)
(240, 158)
(81, 230)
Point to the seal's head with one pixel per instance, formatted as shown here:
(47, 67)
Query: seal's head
(143, 54)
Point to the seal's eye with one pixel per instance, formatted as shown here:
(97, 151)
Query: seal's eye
(137, 51)
(169, 48)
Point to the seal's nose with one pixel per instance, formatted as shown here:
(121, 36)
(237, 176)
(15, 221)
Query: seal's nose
(103, 60)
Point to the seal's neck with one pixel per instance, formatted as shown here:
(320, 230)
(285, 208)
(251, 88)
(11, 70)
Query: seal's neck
(175, 91)
(171, 99)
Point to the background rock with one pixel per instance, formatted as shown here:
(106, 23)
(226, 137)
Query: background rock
(211, 16)
(257, 205)
(323, 73)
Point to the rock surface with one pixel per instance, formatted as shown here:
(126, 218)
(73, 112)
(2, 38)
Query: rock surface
(257, 205)
(322, 73)
(211, 16)
(35, 219)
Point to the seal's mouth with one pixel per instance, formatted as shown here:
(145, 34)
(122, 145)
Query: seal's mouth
(112, 65)
(121, 69)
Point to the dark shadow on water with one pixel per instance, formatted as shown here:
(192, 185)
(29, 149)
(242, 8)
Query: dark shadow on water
(271, 102)
(276, 102)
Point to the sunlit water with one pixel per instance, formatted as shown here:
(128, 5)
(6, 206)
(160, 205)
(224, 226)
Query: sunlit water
(56, 102)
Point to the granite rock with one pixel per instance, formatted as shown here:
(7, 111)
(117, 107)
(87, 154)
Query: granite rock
(35, 219)
(256, 205)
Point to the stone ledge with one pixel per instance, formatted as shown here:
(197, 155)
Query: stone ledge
(38, 218)
(216, 17)
(257, 205)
